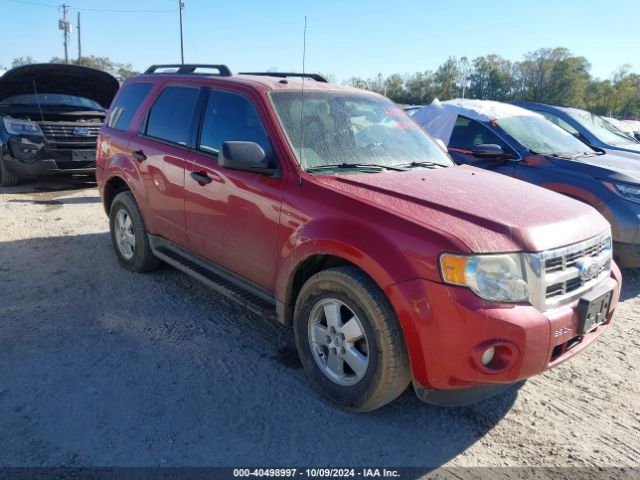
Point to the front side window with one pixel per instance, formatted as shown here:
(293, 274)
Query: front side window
(127, 104)
(327, 129)
(171, 115)
(468, 133)
(230, 117)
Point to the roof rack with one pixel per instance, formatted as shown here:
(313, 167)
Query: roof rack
(315, 76)
(190, 68)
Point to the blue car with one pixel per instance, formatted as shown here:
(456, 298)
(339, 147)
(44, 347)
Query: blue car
(591, 129)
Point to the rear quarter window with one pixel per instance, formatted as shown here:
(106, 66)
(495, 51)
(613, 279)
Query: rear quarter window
(127, 104)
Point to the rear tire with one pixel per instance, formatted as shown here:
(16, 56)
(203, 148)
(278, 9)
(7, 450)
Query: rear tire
(359, 365)
(129, 235)
(7, 178)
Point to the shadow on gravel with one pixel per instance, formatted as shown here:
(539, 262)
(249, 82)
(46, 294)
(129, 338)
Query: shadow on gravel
(52, 184)
(100, 366)
(630, 284)
(61, 201)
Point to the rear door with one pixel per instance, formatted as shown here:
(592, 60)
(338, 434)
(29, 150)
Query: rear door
(161, 149)
(232, 218)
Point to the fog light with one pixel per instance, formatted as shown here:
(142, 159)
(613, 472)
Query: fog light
(487, 356)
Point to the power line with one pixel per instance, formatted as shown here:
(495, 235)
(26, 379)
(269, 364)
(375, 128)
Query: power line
(101, 10)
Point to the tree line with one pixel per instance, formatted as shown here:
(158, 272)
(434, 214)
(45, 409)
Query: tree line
(121, 71)
(548, 75)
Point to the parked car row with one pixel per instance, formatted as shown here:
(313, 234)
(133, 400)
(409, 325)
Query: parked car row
(329, 209)
(539, 145)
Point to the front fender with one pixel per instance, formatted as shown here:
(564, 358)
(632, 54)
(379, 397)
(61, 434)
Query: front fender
(386, 262)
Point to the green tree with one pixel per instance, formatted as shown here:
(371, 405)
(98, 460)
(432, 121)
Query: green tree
(446, 79)
(20, 61)
(121, 71)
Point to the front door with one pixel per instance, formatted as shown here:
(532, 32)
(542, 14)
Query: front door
(232, 217)
(466, 135)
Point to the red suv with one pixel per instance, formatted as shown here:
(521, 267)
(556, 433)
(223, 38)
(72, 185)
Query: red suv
(328, 208)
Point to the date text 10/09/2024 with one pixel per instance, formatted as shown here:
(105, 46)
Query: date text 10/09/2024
(317, 472)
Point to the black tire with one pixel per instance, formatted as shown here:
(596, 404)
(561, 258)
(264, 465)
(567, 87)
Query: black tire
(142, 259)
(388, 372)
(7, 178)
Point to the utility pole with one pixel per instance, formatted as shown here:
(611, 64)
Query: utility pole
(65, 26)
(79, 41)
(181, 5)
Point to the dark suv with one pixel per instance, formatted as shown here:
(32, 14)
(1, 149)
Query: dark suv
(329, 208)
(50, 115)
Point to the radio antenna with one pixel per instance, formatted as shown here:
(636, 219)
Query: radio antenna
(304, 55)
(35, 90)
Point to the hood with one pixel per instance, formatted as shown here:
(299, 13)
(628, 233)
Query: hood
(59, 78)
(486, 211)
(616, 165)
(632, 148)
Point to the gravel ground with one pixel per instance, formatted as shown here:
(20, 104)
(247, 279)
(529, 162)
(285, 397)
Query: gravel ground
(102, 367)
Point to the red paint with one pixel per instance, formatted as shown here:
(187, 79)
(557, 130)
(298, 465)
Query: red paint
(392, 225)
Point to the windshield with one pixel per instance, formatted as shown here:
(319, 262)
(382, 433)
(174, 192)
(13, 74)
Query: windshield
(542, 136)
(56, 99)
(597, 126)
(342, 129)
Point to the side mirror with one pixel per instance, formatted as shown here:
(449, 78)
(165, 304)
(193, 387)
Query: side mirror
(486, 150)
(244, 156)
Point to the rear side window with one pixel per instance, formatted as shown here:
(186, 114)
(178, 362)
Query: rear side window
(171, 114)
(468, 133)
(128, 102)
(232, 117)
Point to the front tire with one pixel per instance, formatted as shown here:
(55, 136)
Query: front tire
(7, 178)
(129, 235)
(349, 340)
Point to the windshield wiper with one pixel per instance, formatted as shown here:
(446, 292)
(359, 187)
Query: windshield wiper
(567, 156)
(365, 166)
(421, 164)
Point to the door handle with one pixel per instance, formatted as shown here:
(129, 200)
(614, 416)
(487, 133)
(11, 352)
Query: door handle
(201, 178)
(139, 155)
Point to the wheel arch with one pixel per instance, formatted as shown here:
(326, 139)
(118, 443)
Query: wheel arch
(113, 187)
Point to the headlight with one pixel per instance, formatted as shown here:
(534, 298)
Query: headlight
(21, 127)
(499, 278)
(626, 190)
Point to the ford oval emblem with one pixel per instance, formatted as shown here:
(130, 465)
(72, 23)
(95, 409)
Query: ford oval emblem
(81, 132)
(587, 268)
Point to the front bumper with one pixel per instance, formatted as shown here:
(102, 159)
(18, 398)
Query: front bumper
(445, 327)
(624, 217)
(29, 158)
(627, 254)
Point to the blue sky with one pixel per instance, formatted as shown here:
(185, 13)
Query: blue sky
(344, 38)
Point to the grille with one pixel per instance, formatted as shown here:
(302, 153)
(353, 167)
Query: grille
(68, 132)
(559, 274)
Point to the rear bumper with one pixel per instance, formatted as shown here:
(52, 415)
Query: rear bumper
(446, 329)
